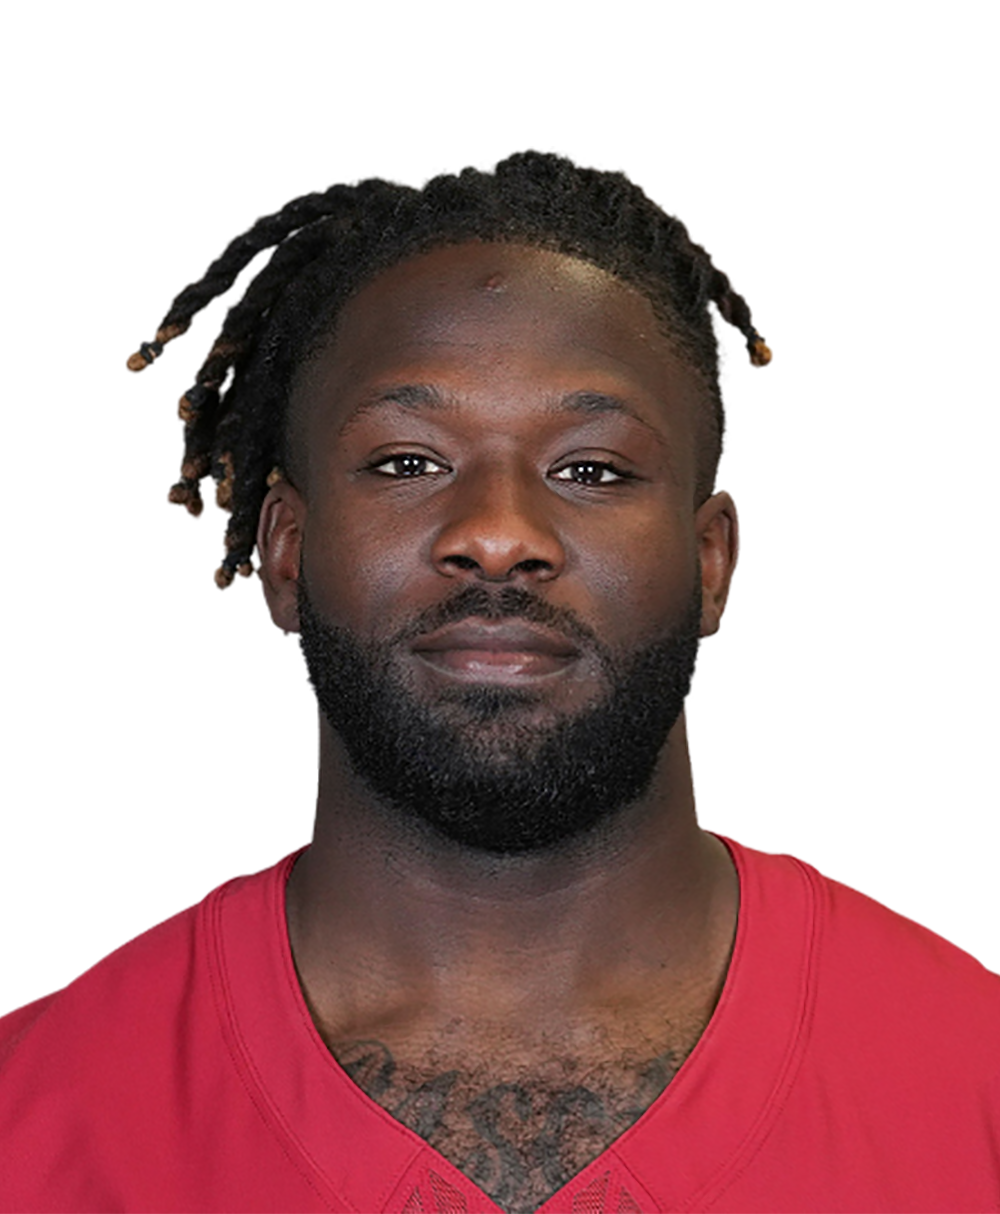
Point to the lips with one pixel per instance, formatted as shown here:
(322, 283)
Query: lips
(513, 636)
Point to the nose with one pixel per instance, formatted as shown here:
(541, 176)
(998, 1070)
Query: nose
(498, 528)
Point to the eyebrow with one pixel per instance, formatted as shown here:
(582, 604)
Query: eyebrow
(418, 397)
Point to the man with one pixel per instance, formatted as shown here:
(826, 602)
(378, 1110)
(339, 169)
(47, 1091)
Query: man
(472, 432)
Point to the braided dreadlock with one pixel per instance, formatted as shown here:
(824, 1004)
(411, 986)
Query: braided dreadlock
(328, 244)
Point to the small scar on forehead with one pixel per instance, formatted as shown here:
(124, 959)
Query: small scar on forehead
(495, 282)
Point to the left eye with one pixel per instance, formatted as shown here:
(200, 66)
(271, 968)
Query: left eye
(602, 466)
(408, 464)
(412, 458)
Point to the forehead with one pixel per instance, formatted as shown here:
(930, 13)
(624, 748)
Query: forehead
(508, 314)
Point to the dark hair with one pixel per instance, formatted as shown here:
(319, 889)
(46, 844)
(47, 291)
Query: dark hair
(329, 244)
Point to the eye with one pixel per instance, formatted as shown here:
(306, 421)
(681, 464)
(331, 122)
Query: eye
(408, 458)
(590, 472)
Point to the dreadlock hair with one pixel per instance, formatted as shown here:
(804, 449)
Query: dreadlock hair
(329, 244)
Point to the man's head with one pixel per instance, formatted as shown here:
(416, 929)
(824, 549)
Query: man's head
(479, 428)
(494, 457)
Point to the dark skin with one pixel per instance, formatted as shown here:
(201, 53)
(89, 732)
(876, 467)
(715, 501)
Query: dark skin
(503, 415)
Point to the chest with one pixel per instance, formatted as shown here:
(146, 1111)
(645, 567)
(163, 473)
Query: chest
(520, 1123)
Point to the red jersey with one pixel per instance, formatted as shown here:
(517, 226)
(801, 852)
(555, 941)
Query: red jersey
(852, 1064)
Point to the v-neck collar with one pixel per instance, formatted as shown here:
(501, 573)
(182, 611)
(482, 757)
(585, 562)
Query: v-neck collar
(681, 1152)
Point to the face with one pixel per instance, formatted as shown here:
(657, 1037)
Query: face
(494, 516)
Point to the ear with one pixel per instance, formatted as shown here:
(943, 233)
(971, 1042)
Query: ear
(717, 528)
(279, 544)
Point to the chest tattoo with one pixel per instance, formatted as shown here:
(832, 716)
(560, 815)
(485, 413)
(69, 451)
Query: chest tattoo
(519, 1134)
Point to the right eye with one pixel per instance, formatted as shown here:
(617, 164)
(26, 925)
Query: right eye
(408, 463)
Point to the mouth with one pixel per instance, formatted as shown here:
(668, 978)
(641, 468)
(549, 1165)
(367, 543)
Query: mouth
(498, 666)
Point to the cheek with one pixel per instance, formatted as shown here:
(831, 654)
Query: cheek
(640, 580)
(360, 564)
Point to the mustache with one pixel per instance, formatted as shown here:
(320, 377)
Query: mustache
(510, 602)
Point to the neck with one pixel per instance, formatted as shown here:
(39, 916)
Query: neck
(388, 919)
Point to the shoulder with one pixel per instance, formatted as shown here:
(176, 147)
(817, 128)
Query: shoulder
(883, 949)
(82, 1069)
(141, 972)
(109, 1069)
(147, 981)
(881, 981)
(105, 1084)
(120, 1019)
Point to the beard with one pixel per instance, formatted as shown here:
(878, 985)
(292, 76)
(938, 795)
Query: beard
(475, 763)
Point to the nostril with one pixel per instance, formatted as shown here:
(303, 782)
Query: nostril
(465, 563)
(532, 566)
